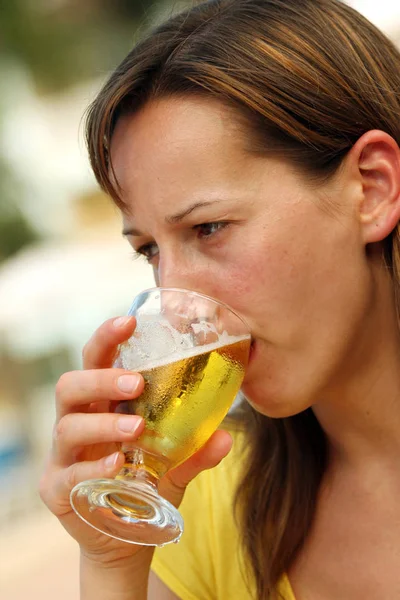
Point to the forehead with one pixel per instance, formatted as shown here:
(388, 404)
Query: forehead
(177, 152)
(172, 118)
(177, 119)
(175, 138)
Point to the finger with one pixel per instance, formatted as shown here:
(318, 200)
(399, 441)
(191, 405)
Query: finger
(81, 388)
(100, 351)
(56, 485)
(175, 482)
(76, 431)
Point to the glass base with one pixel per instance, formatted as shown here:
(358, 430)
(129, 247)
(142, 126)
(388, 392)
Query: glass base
(132, 512)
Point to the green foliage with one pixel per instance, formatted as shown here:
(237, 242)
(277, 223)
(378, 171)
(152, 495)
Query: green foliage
(60, 43)
(65, 42)
(15, 231)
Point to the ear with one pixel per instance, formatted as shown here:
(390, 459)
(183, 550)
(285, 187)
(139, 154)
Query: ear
(376, 156)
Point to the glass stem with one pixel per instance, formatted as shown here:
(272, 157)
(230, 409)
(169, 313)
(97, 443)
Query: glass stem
(141, 466)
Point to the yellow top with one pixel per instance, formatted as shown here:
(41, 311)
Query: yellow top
(206, 565)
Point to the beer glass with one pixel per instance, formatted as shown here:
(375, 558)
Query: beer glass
(192, 352)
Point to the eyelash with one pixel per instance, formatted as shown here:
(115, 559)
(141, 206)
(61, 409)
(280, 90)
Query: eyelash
(145, 250)
(220, 226)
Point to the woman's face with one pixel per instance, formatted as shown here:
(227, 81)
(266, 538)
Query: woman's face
(285, 253)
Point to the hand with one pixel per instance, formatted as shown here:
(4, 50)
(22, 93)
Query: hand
(87, 438)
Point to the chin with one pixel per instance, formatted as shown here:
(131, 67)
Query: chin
(276, 405)
(271, 386)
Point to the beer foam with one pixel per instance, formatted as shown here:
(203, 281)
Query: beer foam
(132, 361)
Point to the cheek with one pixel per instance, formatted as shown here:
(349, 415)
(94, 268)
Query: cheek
(258, 279)
(238, 280)
(287, 288)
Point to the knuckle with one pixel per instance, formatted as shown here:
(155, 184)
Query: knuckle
(62, 384)
(116, 432)
(85, 351)
(43, 488)
(60, 429)
(98, 338)
(71, 479)
(98, 384)
(44, 485)
(106, 428)
(178, 485)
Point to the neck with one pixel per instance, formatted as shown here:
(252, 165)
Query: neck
(360, 415)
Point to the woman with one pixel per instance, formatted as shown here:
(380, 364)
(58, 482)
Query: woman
(252, 148)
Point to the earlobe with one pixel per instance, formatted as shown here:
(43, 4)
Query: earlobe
(378, 161)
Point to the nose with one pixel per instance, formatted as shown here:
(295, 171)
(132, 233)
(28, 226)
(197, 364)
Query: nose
(177, 272)
(177, 268)
(182, 311)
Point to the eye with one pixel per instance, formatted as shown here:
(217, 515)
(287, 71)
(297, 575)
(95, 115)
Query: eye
(148, 251)
(206, 230)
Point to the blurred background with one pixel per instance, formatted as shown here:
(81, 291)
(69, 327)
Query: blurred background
(64, 267)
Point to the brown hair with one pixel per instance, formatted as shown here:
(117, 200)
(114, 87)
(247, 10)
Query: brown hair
(309, 77)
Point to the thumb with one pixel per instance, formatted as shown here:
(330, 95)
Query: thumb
(174, 483)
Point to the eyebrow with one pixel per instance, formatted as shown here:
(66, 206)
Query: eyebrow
(173, 219)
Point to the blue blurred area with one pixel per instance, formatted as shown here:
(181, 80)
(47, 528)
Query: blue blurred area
(11, 455)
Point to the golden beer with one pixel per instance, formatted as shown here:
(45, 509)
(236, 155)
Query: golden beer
(184, 401)
(192, 351)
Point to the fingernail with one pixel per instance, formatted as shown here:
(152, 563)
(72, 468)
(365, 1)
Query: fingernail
(121, 321)
(128, 383)
(129, 424)
(112, 460)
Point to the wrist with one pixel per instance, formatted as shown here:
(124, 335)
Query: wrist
(115, 578)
